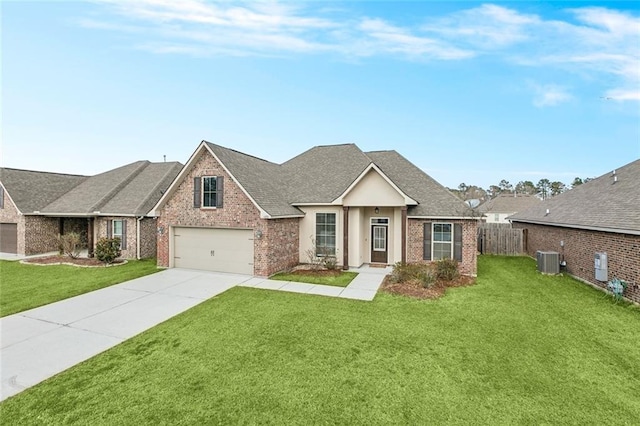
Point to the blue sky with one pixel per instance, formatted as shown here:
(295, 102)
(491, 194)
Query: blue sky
(470, 92)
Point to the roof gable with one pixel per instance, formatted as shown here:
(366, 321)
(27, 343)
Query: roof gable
(609, 203)
(373, 188)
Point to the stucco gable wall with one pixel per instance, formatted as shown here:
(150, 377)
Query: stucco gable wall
(373, 191)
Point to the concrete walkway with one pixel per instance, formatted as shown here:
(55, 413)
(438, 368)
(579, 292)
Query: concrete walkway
(41, 342)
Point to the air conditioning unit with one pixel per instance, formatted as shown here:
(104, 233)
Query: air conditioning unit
(548, 262)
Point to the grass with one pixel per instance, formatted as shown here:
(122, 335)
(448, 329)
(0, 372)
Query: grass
(517, 348)
(341, 280)
(24, 286)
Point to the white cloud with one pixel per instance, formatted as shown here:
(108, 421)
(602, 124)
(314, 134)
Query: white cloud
(550, 95)
(591, 42)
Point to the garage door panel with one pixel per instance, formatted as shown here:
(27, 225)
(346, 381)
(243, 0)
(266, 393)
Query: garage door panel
(9, 238)
(214, 249)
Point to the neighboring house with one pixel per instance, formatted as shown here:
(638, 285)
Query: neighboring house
(496, 210)
(600, 216)
(232, 212)
(37, 207)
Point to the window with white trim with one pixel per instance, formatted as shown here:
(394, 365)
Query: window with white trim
(117, 230)
(209, 191)
(325, 234)
(442, 241)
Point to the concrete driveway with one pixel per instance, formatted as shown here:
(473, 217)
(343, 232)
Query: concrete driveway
(44, 341)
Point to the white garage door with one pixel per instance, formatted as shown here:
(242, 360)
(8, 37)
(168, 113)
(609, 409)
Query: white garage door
(214, 249)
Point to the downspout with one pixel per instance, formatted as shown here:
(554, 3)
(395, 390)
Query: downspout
(138, 236)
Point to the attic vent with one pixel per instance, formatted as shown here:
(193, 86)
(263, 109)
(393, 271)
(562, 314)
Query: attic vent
(548, 262)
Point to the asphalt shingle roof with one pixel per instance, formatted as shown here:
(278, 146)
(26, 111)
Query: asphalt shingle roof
(508, 203)
(32, 190)
(132, 189)
(323, 173)
(600, 203)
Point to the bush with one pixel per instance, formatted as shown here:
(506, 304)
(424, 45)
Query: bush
(330, 262)
(421, 272)
(70, 244)
(447, 269)
(108, 249)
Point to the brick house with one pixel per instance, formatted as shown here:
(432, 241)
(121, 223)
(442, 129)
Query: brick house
(600, 216)
(37, 207)
(232, 212)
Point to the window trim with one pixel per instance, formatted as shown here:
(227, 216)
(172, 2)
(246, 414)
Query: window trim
(113, 230)
(215, 198)
(335, 233)
(433, 240)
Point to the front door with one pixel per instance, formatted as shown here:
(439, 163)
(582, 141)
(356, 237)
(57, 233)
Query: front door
(378, 244)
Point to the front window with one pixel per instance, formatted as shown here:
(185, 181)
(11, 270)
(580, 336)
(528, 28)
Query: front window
(442, 241)
(325, 234)
(209, 191)
(117, 230)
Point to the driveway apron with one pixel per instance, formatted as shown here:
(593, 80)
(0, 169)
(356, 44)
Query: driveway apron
(44, 341)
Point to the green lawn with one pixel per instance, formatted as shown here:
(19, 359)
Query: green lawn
(25, 286)
(341, 280)
(517, 348)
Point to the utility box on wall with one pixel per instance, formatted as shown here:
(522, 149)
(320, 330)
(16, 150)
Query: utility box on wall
(601, 267)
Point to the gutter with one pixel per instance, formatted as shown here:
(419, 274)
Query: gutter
(585, 227)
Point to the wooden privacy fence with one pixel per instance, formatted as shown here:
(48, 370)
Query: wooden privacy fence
(502, 240)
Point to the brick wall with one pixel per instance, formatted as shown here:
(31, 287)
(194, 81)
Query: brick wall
(580, 246)
(415, 247)
(100, 226)
(40, 234)
(147, 238)
(270, 251)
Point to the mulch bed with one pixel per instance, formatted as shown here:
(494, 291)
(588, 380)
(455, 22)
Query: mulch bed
(65, 260)
(415, 289)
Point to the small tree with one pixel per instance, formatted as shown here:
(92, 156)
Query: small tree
(70, 244)
(108, 249)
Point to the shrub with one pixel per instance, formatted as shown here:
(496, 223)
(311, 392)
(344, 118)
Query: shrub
(421, 272)
(108, 249)
(70, 244)
(330, 262)
(447, 269)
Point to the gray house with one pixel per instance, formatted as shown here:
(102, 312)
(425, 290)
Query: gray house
(36, 207)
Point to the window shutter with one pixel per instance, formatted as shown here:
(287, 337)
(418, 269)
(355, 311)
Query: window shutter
(196, 192)
(219, 191)
(1, 197)
(109, 228)
(457, 242)
(123, 243)
(427, 241)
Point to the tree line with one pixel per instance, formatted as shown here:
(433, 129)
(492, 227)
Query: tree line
(543, 189)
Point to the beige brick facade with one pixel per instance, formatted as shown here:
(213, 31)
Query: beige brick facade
(415, 243)
(580, 246)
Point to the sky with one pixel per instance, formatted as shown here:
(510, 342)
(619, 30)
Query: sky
(471, 92)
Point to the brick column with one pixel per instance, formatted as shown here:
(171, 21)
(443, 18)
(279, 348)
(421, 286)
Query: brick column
(345, 240)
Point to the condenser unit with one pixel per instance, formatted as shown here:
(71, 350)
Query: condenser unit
(548, 262)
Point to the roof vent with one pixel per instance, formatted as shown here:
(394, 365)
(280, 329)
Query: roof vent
(615, 179)
(547, 212)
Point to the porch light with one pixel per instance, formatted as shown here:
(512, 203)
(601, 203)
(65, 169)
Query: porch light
(377, 210)
(259, 234)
